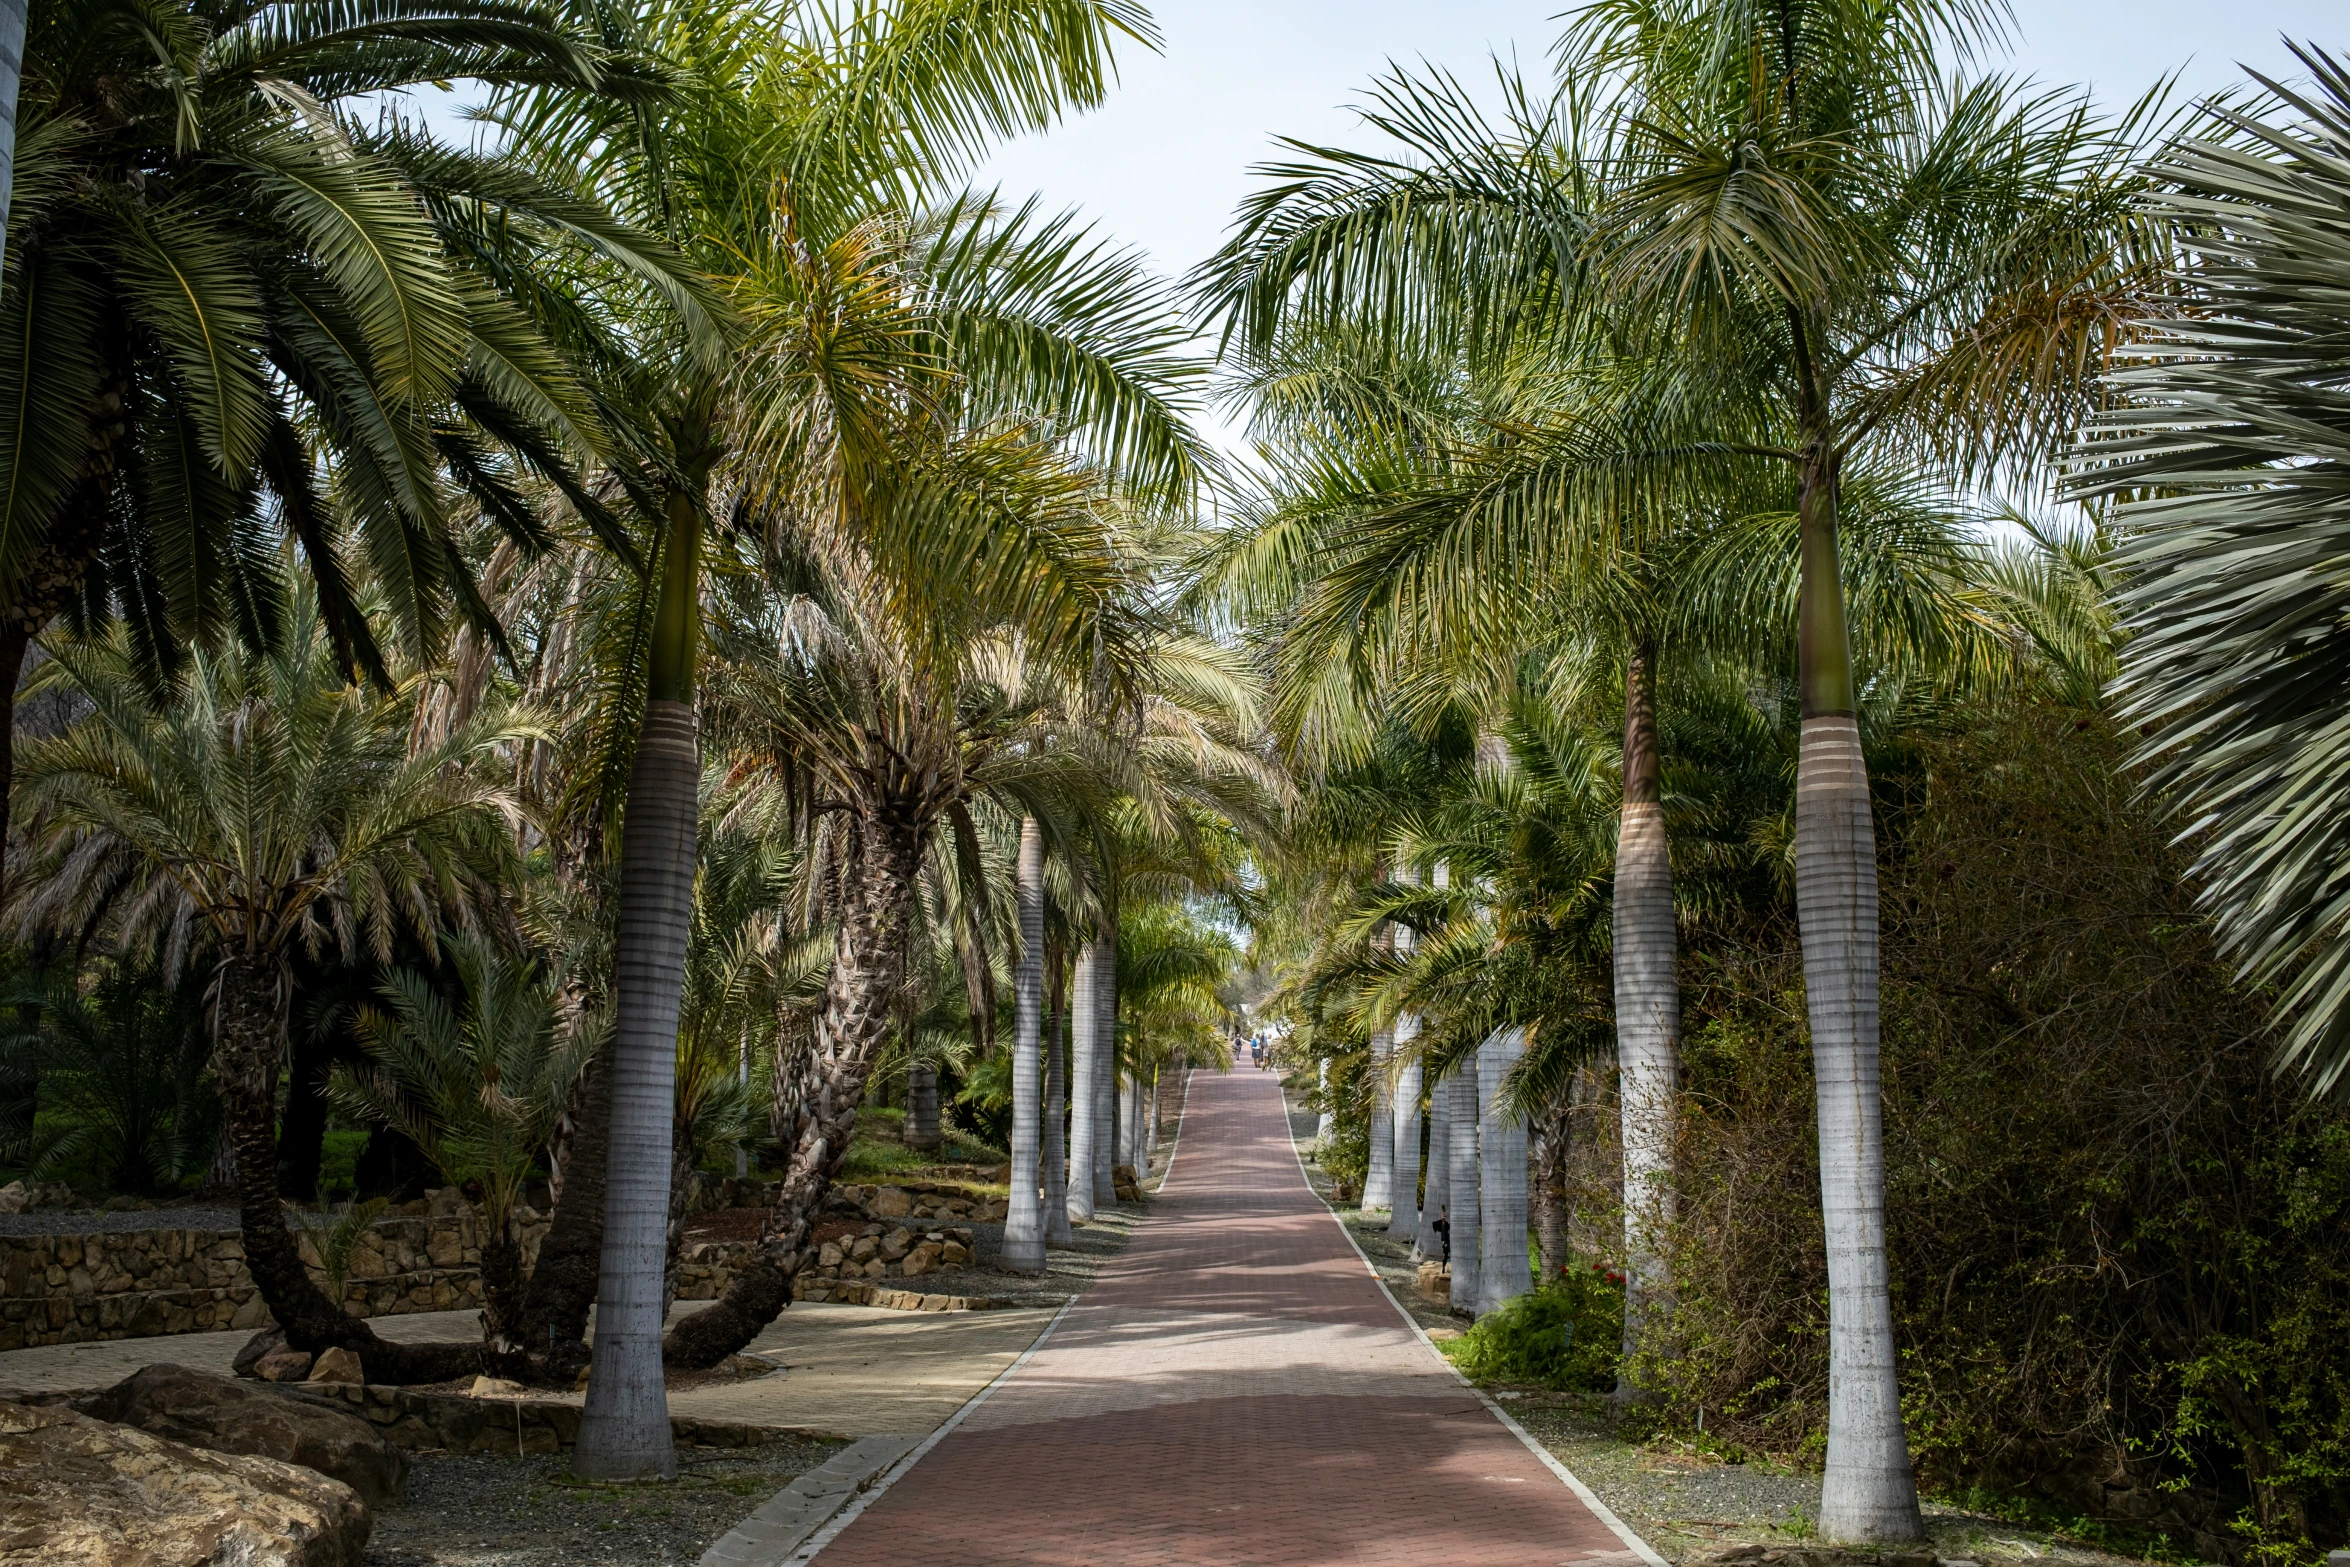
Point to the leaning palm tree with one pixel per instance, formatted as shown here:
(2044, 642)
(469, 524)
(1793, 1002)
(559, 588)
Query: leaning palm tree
(267, 809)
(2229, 455)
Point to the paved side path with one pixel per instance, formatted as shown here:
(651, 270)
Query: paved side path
(1236, 1389)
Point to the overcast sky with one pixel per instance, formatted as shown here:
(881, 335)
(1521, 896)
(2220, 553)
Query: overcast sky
(1165, 162)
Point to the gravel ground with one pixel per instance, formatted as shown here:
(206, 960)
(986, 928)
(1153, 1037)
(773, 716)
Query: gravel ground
(91, 1221)
(1683, 1502)
(478, 1510)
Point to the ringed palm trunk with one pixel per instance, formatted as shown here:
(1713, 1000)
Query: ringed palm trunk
(250, 1002)
(1869, 1492)
(1553, 1217)
(828, 1075)
(1501, 1188)
(624, 1428)
(1085, 1033)
(1328, 1118)
(1379, 1176)
(562, 1287)
(1056, 1148)
(1024, 1216)
(1466, 1223)
(1105, 1086)
(1427, 1245)
(1403, 1221)
(1648, 1003)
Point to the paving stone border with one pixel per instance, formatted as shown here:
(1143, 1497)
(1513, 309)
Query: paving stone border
(785, 1521)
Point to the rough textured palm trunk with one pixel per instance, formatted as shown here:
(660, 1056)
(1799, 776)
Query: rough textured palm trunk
(1869, 1492)
(1379, 1177)
(1648, 1004)
(1467, 1226)
(624, 1428)
(1105, 1088)
(1024, 1217)
(1085, 1033)
(1404, 1218)
(922, 1124)
(828, 1085)
(250, 1001)
(1501, 1187)
(1056, 1150)
(1426, 1243)
(1553, 1217)
(562, 1286)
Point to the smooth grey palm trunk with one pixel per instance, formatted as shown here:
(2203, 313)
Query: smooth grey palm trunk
(1056, 1148)
(1467, 1225)
(1427, 1245)
(1648, 1026)
(1085, 1032)
(1379, 1177)
(1404, 1216)
(1105, 1088)
(1869, 1492)
(1503, 1274)
(1329, 1117)
(1024, 1213)
(12, 20)
(624, 1428)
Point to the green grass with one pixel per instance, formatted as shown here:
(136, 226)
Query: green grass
(879, 1151)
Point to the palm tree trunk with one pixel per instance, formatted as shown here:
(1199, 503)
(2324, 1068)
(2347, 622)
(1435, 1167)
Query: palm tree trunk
(1056, 1150)
(1552, 1214)
(1105, 1088)
(1379, 1177)
(1426, 1243)
(922, 1124)
(1085, 1034)
(1501, 1186)
(12, 21)
(1648, 1000)
(624, 1428)
(562, 1287)
(250, 1000)
(1024, 1216)
(1869, 1492)
(1329, 1117)
(1467, 1226)
(868, 967)
(1404, 1220)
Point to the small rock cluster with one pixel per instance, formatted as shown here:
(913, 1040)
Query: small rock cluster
(1822, 1556)
(21, 1197)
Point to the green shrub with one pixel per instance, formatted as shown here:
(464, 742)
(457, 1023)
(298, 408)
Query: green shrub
(1565, 1335)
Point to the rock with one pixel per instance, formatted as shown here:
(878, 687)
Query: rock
(829, 1255)
(495, 1387)
(283, 1365)
(86, 1490)
(921, 1260)
(56, 1194)
(896, 1244)
(263, 1343)
(336, 1365)
(865, 1249)
(1435, 1281)
(954, 1254)
(121, 1205)
(224, 1415)
(445, 1202)
(890, 1202)
(15, 1197)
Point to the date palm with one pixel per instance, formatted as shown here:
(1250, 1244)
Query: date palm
(268, 808)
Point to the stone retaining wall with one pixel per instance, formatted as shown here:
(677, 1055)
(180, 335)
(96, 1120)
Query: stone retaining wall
(426, 1256)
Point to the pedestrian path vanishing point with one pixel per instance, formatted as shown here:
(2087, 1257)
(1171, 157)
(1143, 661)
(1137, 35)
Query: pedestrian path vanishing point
(1235, 1389)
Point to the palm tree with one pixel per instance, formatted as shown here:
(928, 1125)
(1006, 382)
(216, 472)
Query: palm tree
(476, 1085)
(1024, 1219)
(234, 315)
(270, 807)
(2227, 456)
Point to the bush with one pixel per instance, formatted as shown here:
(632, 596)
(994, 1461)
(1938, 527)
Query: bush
(1564, 1335)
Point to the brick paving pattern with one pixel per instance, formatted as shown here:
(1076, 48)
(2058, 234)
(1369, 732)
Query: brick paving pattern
(1235, 1389)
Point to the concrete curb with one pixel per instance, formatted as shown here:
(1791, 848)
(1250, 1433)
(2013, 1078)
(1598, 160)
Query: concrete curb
(1583, 1493)
(785, 1521)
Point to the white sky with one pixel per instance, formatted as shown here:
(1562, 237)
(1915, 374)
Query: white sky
(1164, 164)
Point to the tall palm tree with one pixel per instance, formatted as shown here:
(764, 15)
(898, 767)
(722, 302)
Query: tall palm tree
(1024, 1218)
(271, 808)
(2227, 454)
(1932, 271)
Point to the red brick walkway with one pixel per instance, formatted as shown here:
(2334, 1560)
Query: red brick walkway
(1236, 1389)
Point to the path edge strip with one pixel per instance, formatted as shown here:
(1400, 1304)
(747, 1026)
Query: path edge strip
(897, 1471)
(1605, 1514)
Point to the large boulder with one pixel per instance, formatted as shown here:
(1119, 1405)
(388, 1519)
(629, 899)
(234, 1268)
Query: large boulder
(228, 1416)
(74, 1489)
